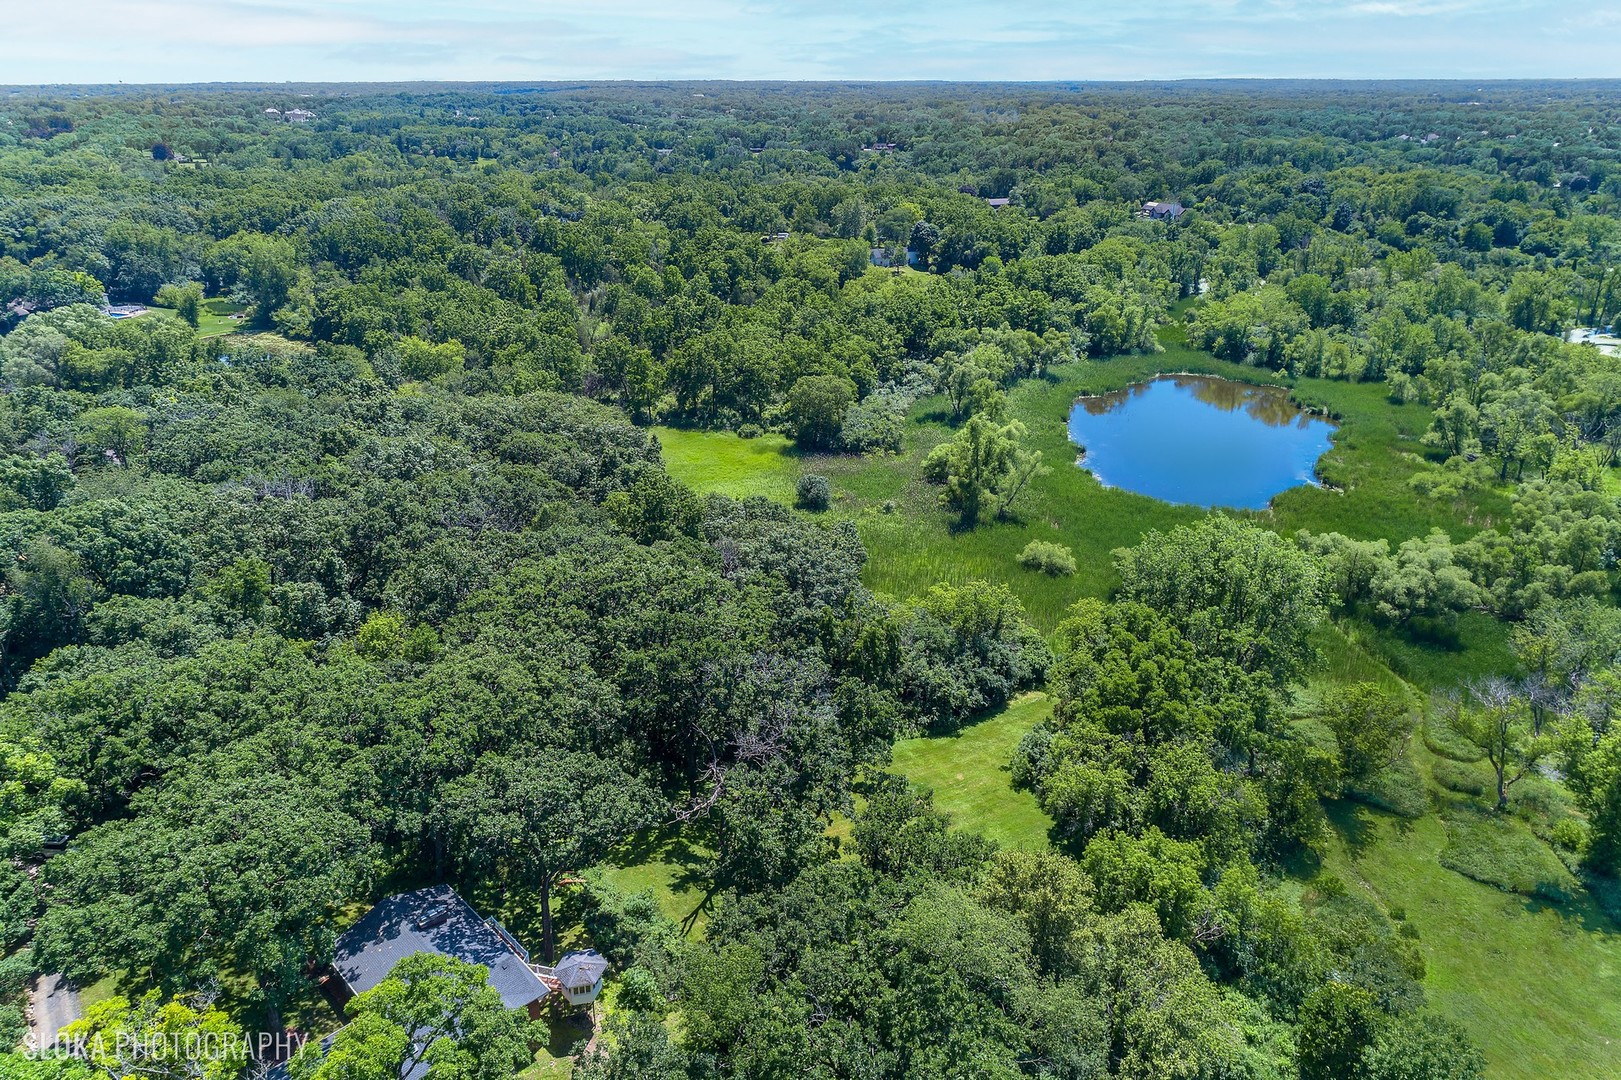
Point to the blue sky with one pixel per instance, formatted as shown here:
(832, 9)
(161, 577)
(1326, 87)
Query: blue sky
(214, 40)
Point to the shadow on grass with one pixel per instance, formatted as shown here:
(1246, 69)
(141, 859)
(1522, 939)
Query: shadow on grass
(1581, 910)
(568, 1034)
(1354, 822)
(691, 868)
(973, 720)
(1606, 894)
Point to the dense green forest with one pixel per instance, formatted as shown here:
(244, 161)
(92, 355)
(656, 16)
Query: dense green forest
(575, 493)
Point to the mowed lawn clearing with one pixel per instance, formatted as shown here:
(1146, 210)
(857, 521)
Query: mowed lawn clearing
(214, 319)
(1536, 984)
(968, 773)
(726, 463)
(672, 869)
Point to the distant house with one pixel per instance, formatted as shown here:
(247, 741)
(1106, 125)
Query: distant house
(272, 112)
(889, 257)
(1608, 343)
(299, 116)
(997, 204)
(436, 920)
(578, 976)
(1162, 211)
(21, 309)
(773, 238)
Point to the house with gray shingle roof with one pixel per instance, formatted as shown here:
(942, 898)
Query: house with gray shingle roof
(432, 920)
(436, 920)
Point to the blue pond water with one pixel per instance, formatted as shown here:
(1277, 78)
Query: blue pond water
(1198, 440)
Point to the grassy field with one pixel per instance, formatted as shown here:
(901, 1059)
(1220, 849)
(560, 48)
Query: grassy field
(672, 869)
(915, 543)
(1535, 981)
(215, 318)
(918, 543)
(722, 462)
(968, 773)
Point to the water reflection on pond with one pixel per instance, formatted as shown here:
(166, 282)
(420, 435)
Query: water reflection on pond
(1199, 440)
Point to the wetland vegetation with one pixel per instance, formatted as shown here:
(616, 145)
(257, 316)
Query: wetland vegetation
(652, 510)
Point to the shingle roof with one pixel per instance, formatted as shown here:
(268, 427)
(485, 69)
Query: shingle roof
(581, 968)
(388, 933)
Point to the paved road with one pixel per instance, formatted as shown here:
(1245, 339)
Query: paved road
(55, 1006)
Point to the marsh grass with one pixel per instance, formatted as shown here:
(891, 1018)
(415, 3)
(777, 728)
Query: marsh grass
(1397, 790)
(914, 542)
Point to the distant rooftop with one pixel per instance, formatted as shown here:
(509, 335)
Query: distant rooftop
(1162, 211)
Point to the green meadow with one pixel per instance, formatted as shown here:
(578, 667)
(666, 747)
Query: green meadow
(1535, 979)
(968, 773)
(728, 464)
(914, 543)
(214, 319)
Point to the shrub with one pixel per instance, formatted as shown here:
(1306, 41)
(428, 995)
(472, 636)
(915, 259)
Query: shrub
(815, 492)
(1459, 777)
(750, 431)
(876, 423)
(1570, 834)
(1539, 802)
(639, 990)
(1443, 741)
(1499, 851)
(1049, 558)
(1397, 789)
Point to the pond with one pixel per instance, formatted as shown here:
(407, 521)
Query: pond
(1199, 440)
